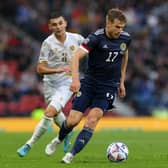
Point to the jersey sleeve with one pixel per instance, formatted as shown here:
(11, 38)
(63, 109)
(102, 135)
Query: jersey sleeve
(89, 43)
(44, 52)
(80, 39)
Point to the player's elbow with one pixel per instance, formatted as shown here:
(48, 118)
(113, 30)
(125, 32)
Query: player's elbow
(39, 70)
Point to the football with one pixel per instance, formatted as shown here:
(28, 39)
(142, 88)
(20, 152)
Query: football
(117, 152)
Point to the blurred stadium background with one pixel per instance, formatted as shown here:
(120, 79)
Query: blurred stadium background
(23, 26)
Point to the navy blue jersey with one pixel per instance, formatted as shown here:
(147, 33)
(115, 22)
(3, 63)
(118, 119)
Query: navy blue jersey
(101, 81)
(105, 55)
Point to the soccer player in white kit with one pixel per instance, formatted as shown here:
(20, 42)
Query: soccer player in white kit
(54, 64)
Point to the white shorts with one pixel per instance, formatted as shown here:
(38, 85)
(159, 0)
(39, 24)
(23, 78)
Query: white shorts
(57, 94)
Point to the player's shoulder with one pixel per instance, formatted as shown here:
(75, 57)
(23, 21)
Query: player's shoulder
(99, 32)
(46, 43)
(74, 35)
(97, 35)
(49, 39)
(125, 35)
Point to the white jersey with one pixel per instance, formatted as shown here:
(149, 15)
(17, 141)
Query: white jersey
(57, 54)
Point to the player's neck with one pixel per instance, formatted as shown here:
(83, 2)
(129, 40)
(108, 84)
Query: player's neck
(61, 38)
(107, 34)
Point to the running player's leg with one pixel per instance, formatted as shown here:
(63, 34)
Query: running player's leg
(40, 129)
(52, 110)
(73, 119)
(100, 103)
(81, 100)
(62, 96)
(85, 134)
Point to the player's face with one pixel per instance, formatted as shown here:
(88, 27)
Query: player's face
(58, 26)
(113, 29)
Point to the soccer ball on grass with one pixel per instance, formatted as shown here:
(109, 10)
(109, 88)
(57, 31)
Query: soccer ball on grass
(117, 152)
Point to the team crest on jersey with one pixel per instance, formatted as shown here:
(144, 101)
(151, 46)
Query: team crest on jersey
(123, 47)
(78, 94)
(72, 47)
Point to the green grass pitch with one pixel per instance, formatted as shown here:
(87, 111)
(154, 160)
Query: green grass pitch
(146, 150)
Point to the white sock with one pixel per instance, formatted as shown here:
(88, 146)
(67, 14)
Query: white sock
(59, 119)
(40, 129)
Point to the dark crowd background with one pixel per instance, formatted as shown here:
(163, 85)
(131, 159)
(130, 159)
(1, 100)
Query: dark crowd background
(23, 26)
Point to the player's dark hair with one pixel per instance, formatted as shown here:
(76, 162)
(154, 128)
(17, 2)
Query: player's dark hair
(56, 14)
(116, 14)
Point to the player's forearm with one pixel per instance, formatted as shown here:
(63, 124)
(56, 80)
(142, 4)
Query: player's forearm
(75, 67)
(43, 69)
(75, 63)
(124, 67)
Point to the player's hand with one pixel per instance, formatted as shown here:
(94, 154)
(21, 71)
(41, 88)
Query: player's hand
(66, 68)
(121, 91)
(75, 85)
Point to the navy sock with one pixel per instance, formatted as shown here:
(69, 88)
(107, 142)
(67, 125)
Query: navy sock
(81, 140)
(64, 131)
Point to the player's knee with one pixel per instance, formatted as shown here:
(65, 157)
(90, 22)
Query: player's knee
(93, 117)
(50, 111)
(91, 122)
(73, 121)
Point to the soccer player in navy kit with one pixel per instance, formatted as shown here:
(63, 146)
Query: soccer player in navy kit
(107, 51)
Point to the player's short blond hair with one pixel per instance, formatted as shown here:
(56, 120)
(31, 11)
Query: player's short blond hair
(116, 14)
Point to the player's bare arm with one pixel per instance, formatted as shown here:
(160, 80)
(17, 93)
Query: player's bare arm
(75, 85)
(42, 68)
(121, 90)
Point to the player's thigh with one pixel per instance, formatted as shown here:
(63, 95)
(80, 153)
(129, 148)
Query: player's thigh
(104, 98)
(83, 98)
(51, 111)
(48, 90)
(61, 97)
(74, 118)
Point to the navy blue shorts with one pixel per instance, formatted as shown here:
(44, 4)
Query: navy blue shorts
(94, 94)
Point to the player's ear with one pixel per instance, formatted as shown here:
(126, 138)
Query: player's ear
(66, 23)
(49, 25)
(107, 21)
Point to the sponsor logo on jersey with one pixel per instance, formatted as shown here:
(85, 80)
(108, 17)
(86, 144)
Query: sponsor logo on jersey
(105, 46)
